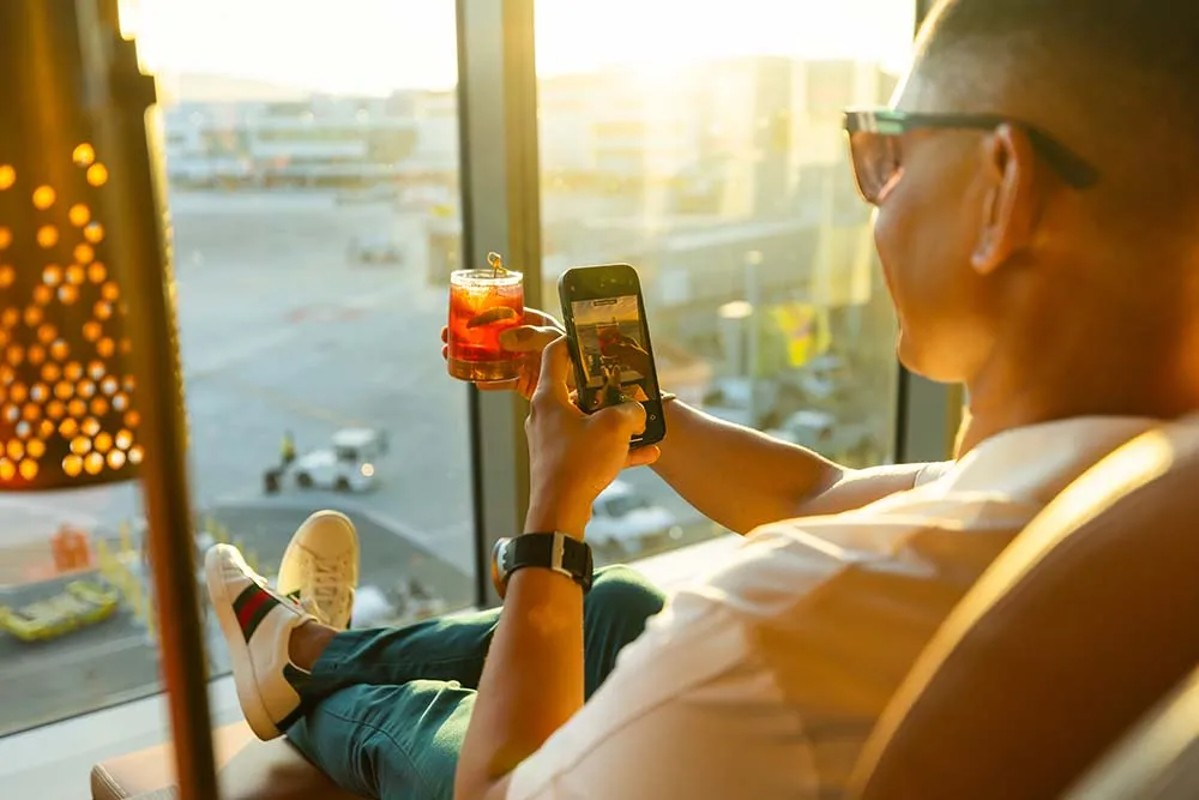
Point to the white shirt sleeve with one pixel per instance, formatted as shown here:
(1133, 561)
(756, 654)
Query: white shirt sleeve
(686, 713)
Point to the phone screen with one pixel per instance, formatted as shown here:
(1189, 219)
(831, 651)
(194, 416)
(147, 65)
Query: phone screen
(611, 344)
(616, 363)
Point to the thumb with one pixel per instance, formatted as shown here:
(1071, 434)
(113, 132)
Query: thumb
(626, 418)
(528, 338)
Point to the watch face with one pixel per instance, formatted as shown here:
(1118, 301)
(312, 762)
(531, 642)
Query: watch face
(497, 565)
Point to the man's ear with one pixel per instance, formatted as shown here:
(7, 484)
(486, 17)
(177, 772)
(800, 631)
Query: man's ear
(1009, 210)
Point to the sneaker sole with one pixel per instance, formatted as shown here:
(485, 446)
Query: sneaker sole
(252, 705)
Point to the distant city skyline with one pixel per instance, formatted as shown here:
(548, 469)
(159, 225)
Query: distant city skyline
(376, 46)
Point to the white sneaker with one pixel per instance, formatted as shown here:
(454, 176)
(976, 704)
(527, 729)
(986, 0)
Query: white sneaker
(320, 568)
(257, 624)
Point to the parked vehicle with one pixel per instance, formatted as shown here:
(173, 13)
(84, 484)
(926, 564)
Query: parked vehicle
(623, 521)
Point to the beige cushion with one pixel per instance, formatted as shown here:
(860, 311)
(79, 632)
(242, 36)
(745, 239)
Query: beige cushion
(1083, 624)
(249, 770)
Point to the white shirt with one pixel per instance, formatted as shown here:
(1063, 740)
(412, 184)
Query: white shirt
(763, 680)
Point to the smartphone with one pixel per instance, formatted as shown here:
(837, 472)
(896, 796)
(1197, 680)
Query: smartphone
(609, 341)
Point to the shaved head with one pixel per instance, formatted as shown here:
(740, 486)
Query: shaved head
(1117, 81)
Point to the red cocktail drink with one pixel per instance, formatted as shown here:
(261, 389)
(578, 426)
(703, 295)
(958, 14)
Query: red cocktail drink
(483, 304)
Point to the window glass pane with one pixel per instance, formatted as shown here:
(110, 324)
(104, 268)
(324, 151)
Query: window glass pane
(702, 144)
(310, 146)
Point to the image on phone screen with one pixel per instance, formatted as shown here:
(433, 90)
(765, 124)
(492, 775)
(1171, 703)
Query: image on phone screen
(616, 363)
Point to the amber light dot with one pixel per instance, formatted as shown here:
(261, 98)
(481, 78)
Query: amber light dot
(15, 449)
(8, 470)
(95, 369)
(32, 412)
(67, 294)
(79, 215)
(97, 174)
(102, 310)
(33, 316)
(29, 469)
(120, 402)
(84, 155)
(133, 419)
(81, 445)
(116, 459)
(92, 330)
(24, 430)
(75, 274)
(72, 465)
(106, 347)
(12, 413)
(43, 197)
(110, 291)
(8, 176)
(9, 317)
(63, 390)
(45, 429)
(96, 272)
(84, 254)
(18, 393)
(77, 407)
(5, 237)
(55, 409)
(16, 354)
(68, 427)
(91, 426)
(109, 385)
(136, 454)
(47, 236)
(73, 371)
(85, 389)
(52, 275)
(94, 463)
(7, 276)
(124, 439)
(99, 406)
(94, 233)
(36, 354)
(39, 393)
(103, 442)
(59, 350)
(51, 372)
(36, 448)
(42, 294)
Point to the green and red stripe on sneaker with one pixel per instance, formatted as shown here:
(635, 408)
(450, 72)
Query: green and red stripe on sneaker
(251, 608)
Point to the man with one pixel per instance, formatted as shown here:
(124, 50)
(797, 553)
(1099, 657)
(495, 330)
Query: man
(1037, 188)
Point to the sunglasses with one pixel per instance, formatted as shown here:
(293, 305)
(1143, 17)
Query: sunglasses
(876, 151)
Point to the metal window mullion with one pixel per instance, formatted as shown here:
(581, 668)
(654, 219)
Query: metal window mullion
(499, 174)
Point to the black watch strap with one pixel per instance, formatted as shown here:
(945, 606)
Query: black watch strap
(555, 551)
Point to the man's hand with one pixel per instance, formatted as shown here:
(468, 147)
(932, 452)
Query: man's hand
(529, 340)
(573, 455)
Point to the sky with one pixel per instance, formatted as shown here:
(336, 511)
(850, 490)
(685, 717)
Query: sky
(374, 46)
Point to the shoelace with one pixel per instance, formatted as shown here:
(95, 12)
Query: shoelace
(328, 580)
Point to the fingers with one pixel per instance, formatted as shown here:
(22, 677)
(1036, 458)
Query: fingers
(540, 318)
(528, 338)
(555, 369)
(643, 456)
(445, 334)
(445, 351)
(626, 419)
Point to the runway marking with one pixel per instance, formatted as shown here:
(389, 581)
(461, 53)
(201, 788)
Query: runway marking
(107, 648)
(285, 401)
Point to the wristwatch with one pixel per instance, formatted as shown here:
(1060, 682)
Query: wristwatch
(555, 551)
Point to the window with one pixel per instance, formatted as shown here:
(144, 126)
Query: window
(702, 144)
(312, 160)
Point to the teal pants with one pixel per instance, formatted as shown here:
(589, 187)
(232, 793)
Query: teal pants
(386, 710)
